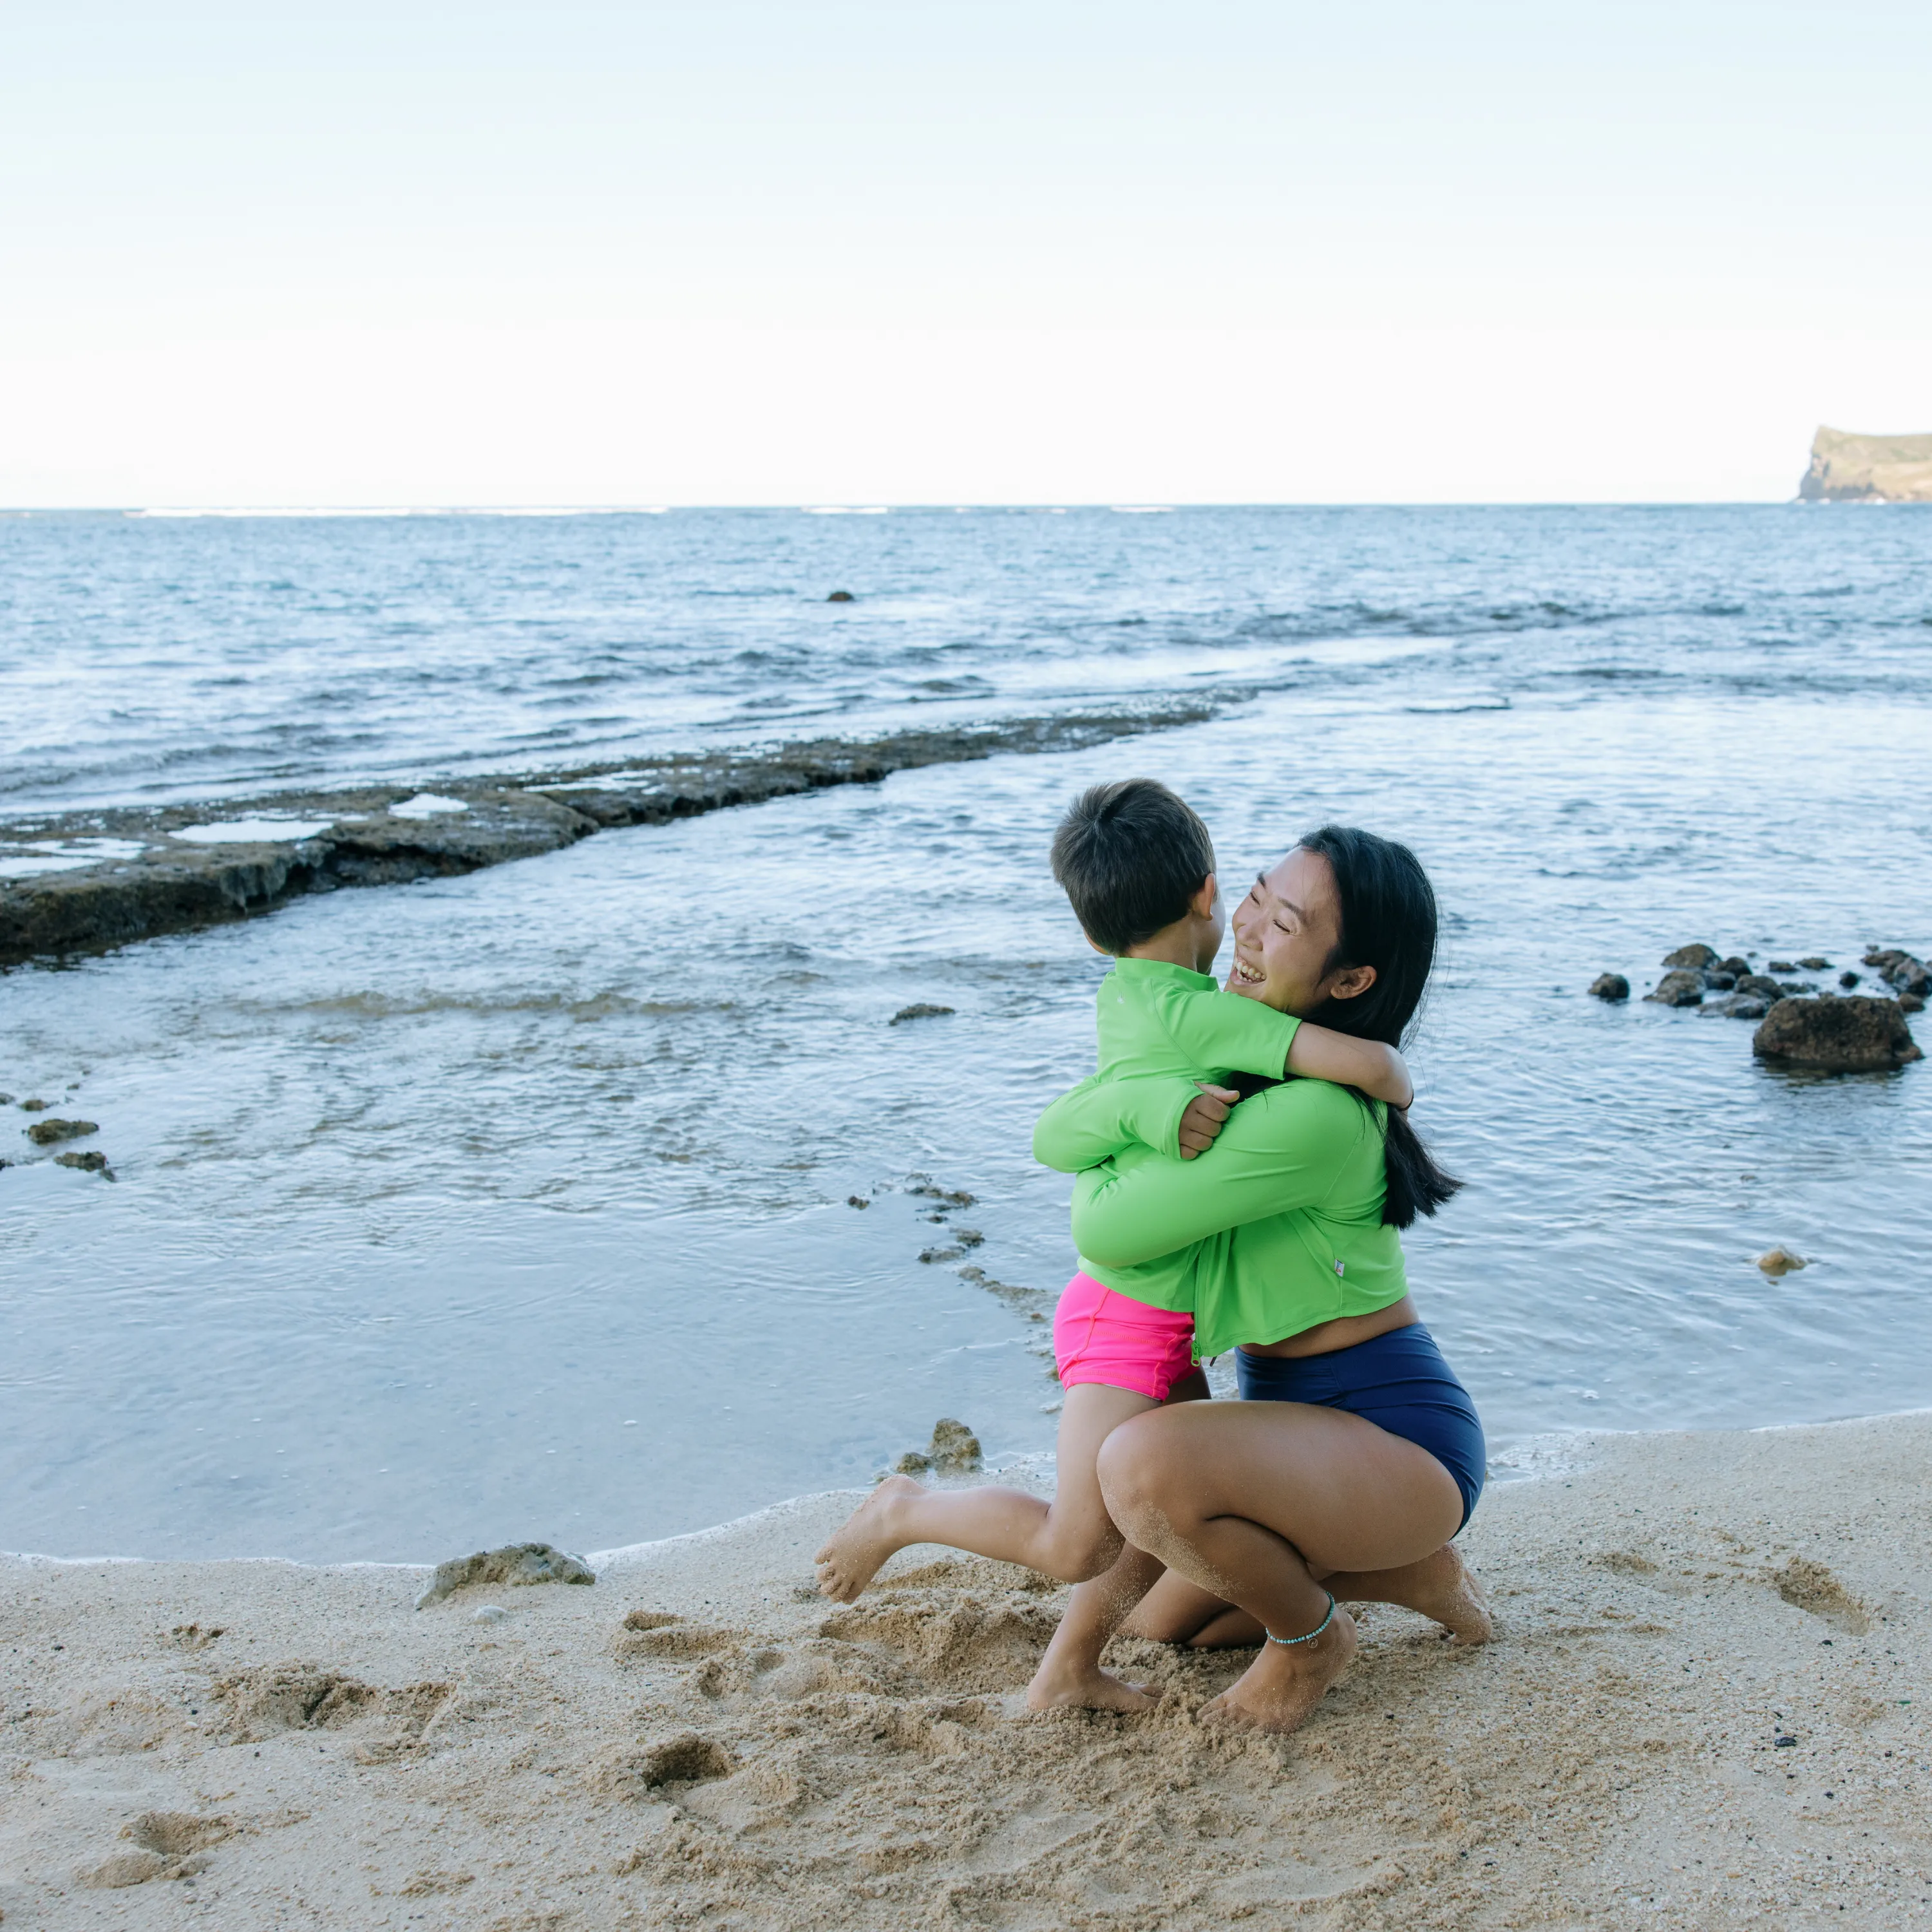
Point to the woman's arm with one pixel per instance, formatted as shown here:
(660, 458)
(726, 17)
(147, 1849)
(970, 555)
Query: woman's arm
(1320, 1053)
(1101, 1117)
(1280, 1150)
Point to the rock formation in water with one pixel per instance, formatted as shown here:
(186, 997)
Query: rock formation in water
(84, 881)
(1849, 468)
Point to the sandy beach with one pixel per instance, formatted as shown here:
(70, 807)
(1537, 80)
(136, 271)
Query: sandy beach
(1707, 1706)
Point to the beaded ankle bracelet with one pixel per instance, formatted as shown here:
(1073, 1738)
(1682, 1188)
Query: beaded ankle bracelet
(1287, 1642)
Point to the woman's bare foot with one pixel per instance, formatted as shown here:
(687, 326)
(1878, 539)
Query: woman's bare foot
(1074, 1686)
(1439, 1586)
(852, 1559)
(1284, 1683)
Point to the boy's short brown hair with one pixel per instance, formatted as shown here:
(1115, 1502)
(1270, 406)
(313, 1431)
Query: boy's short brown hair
(1130, 856)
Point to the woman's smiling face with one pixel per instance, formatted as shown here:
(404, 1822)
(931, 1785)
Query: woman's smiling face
(1286, 931)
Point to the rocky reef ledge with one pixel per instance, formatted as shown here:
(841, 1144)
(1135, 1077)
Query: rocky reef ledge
(82, 882)
(1847, 468)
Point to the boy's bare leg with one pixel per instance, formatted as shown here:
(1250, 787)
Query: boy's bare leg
(1069, 1674)
(1072, 1537)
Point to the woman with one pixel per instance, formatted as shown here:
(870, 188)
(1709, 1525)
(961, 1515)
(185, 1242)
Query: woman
(1355, 1455)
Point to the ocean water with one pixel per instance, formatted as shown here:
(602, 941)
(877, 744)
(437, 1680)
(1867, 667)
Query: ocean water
(518, 1205)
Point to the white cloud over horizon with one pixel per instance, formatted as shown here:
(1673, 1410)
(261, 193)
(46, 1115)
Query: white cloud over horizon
(855, 252)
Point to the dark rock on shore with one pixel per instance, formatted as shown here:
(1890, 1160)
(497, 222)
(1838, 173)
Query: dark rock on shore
(954, 1451)
(1757, 985)
(1698, 957)
(1610, 986)
(89, 1162)
(1782, 966)
(1848, 980)
(515, 1563)
(1736, 967)
(176, 882)
(1857, 1035)
(1685, 988)
(1814, 965)
(44, 1133)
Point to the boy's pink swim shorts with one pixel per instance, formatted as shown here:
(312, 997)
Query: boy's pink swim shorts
(1100, 1336)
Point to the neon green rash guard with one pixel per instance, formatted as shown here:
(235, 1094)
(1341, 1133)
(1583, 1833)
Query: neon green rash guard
(1161, 1028)
(1278, 1224)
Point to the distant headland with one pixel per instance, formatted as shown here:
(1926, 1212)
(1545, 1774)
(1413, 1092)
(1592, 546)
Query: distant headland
(1849, 468)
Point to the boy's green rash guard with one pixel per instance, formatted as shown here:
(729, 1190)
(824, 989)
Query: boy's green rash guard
(1162, 1027)
(1278, 1223)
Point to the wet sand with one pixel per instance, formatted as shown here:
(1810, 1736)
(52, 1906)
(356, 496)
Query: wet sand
(252, 1744)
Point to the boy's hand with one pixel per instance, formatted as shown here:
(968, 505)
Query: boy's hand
(1207, 1114)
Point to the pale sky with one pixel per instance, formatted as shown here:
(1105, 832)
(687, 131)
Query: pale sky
(821, 251)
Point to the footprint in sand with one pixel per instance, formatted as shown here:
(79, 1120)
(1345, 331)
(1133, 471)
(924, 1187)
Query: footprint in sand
(1810, 1587)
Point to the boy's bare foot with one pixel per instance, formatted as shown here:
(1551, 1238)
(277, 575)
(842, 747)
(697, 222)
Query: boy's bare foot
(1073, 1687)
(852, 1559)
(1439, 1586)
(1283, 1685)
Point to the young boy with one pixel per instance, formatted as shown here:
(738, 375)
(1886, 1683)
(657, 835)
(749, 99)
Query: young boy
(1137, 865)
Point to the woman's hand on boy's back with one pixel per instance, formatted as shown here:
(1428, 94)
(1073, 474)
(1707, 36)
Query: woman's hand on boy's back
(1207, 1115)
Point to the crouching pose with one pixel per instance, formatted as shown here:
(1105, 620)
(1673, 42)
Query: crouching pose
(1138, 864)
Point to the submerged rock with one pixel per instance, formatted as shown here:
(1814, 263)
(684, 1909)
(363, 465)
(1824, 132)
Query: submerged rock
(1738, 1006)
(1782, 966)
(1610, 986)
(841, 597)
(1814, 965)
(88, 1163)
(1681, 989)
(1766, 990)
(1700, 957)
(515, 1563)
(44, 1133)
(1735, 966)
(920, 1012)
(1901, 969)
(1856, 1035)
(1781, 1261)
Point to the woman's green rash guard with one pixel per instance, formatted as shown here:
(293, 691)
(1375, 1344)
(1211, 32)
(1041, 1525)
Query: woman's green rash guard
(1278, 1223)
(1160, 1028)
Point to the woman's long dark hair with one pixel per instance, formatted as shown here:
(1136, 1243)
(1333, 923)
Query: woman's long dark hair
(1388, 922)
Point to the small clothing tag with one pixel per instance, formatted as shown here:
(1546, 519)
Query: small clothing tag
(1341, 1267)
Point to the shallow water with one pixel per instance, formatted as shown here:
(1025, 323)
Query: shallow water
(516, 1204)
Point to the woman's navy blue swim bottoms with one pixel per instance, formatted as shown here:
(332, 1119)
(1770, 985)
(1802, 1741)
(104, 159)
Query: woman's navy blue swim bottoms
(1399, 1381)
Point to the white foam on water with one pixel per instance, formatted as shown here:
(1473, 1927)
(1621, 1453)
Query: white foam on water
(427, 805)
(845, 510)
(253, 831)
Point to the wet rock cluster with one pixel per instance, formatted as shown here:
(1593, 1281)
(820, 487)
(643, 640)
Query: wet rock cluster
(1801, 1025)
(954, 1450)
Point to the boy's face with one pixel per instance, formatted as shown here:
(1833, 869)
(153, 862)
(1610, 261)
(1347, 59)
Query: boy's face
(1285, 932)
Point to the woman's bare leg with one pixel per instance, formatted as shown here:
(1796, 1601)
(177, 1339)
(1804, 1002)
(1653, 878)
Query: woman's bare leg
(1072, 1537)
(1440, 1586)
(1243, 1498)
